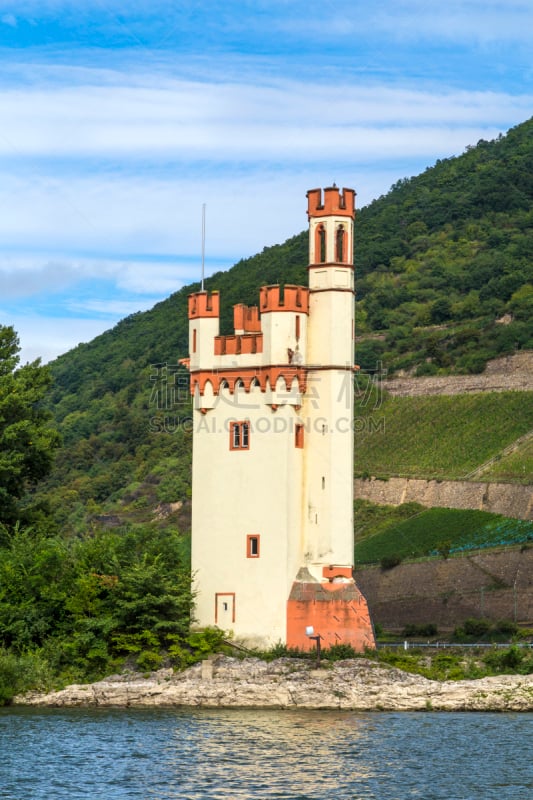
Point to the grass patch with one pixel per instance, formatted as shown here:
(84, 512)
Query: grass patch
(441, 436)
(439, 531)
(456, 665)
(517, 467)
(370, 518)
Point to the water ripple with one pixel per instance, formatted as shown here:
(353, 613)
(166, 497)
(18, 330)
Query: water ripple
(188, 754)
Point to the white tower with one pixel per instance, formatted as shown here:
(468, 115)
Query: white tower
(272, 527)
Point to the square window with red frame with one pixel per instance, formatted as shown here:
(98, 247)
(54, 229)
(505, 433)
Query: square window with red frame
(239, 435)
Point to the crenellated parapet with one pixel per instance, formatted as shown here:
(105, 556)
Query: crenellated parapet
(331, 217)
(238, 344)
(331, 202)
(289, 298)
(268, 338)
(204, 305)
(246, 319)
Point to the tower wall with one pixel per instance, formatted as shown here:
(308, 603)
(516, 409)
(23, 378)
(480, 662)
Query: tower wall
(229, 507)
(272, 526)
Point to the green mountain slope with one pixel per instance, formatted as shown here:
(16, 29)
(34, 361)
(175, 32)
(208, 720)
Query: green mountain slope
(411, 531)
(439, 259)
(442, 437)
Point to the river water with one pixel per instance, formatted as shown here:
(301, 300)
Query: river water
(167, 754)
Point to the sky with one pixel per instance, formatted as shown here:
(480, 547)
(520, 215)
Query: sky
(120, 119)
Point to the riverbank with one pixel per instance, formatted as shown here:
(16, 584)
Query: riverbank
(356, 684)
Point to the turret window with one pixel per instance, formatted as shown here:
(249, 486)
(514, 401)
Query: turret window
(252, 546)
(239, 436)
(320, 244)
(340, 245)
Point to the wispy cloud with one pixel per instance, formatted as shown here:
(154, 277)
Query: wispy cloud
(458, 21)
(121, 118)
(215, 120)
(9, 19)
(46, 337)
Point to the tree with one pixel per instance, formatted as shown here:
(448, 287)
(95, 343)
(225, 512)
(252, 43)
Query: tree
(27, 439)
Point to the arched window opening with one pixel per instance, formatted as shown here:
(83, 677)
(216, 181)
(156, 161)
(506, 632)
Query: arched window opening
(320, 244)
(340, 245)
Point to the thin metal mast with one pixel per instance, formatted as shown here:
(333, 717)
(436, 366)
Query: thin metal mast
(203, 245)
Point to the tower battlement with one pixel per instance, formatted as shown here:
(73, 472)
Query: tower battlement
(246, 319)
(238, 344)
(332, 202)
(204, 305)
(291, 298)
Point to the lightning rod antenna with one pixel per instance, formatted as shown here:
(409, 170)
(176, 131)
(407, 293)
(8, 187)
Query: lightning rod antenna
(203, 245)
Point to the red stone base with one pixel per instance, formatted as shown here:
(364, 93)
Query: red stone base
(338, 612)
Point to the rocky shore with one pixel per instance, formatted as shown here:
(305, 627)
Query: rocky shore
(358, 685)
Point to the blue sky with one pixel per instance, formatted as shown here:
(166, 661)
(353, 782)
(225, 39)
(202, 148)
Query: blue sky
(118, 120)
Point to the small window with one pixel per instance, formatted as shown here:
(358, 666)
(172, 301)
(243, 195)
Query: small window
(299, 435)
(194, 340)
(322, 240)
(239, 436)
(340, 244)
(297, 327)
(320, 244)
(252, 546)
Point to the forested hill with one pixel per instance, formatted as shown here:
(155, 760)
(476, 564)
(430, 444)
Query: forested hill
(444, 281)
(438, 259)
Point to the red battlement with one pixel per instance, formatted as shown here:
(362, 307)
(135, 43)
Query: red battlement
(203, 304)
(246, 318)
(334, 203)
(295, 298)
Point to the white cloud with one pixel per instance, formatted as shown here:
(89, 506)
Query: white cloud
(103, 171)
(457, 21)
(26, 276)
(286, 120)
(145, 233)
(115, 309)
(47, 337)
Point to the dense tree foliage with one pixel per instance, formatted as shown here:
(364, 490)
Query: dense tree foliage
(27, 437)
(84, 605)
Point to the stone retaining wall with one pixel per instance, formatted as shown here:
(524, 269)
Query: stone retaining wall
(491, 585)
(511, 500)
(501, 374)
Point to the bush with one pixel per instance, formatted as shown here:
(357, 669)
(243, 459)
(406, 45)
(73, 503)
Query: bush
(507, 627)
(444, 549)
(188, 650)
(476, 627)
(281, 650)
(389, 562)
(426, 629)
(339, 652)
(425, 369)
(19, 674)
(505, 660)
(473, 364)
